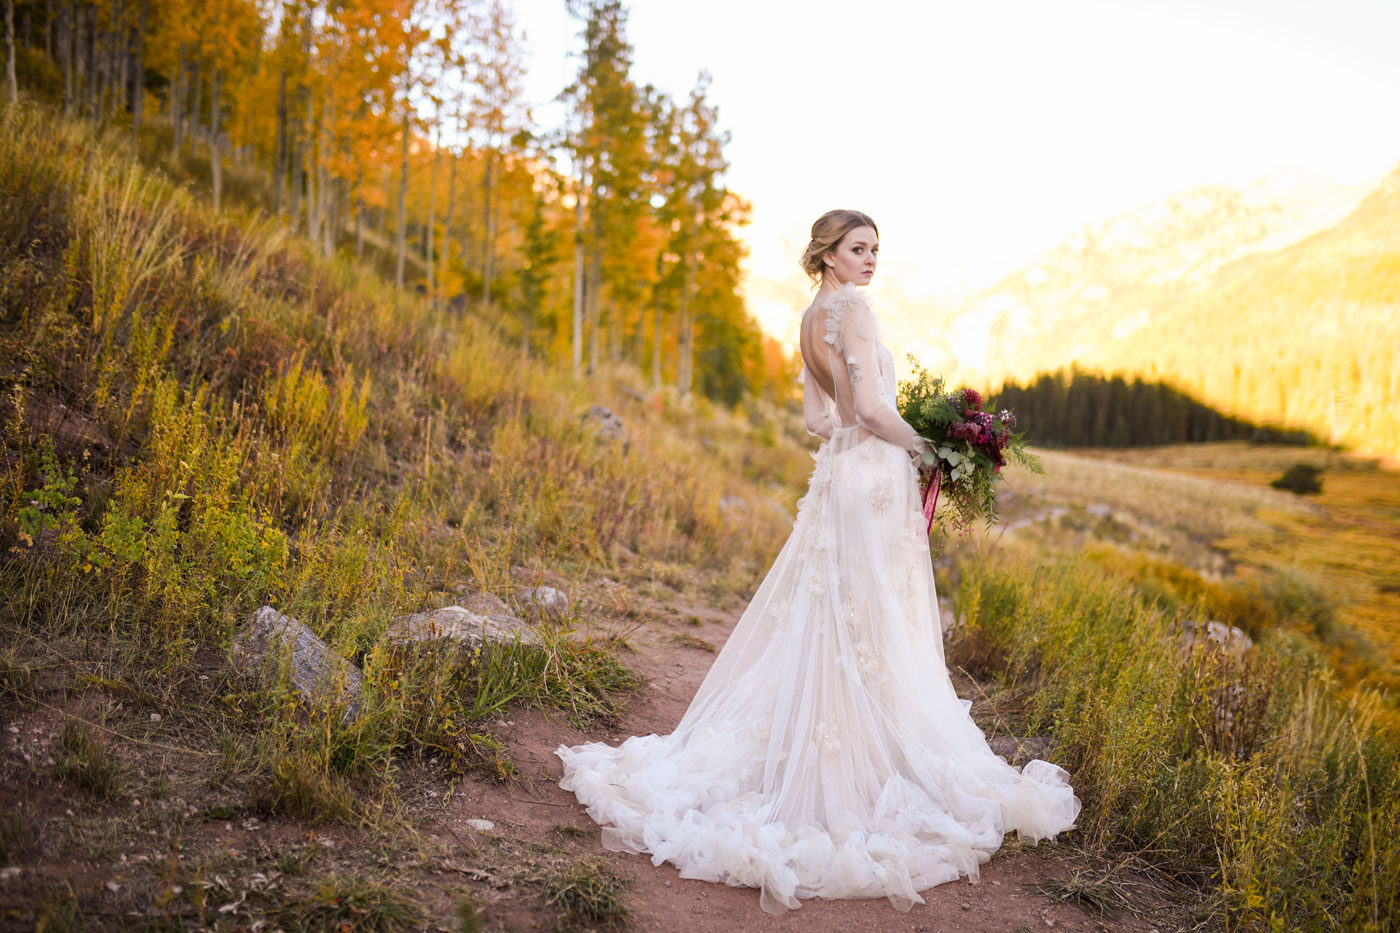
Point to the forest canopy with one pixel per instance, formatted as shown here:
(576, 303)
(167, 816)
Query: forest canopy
(397, 131)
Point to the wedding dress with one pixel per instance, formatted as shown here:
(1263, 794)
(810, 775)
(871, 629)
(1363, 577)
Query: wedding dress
(826, 753)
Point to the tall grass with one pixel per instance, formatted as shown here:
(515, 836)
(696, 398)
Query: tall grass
(201, 416)
(1250, 775)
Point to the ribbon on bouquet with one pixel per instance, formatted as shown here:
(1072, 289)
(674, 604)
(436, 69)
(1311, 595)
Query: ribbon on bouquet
(931, 489)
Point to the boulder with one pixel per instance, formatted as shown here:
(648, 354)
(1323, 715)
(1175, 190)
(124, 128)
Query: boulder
(484, 603)
(606, 426)
(272, 642)
(1019, 750)
(460, 625)
(1227, 638)
(545, 602)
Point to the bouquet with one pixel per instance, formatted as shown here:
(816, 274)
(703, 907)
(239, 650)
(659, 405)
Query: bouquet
(969, 447)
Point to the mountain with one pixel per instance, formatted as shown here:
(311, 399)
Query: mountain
(1279, 302)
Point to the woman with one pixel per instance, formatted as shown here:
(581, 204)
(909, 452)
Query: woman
(826, 753)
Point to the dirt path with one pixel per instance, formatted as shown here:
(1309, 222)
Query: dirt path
(180, 845)
(1007, 899)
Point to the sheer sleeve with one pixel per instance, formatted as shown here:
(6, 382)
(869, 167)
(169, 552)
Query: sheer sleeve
(814, 407)
(859, 348)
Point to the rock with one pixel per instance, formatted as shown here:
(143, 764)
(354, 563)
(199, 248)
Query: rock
(733, 504)
(1227, 638)
(484, 603)
(606, 426)
(457, 624)
(946, 618)
(545, 602)
(480, 826)
(271, 639)
(1017, 751)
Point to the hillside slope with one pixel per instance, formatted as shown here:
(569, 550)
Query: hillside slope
(198, 415)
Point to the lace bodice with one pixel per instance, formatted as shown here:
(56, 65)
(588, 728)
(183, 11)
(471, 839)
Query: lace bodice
(856, 353)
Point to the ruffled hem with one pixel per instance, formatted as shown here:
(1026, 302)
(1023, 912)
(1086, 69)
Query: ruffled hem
(694, 819)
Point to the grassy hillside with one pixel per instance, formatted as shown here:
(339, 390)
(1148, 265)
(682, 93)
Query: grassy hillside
(200, 418)
(200, 415)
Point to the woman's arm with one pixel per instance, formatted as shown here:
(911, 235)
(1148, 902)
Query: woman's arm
(860, 350)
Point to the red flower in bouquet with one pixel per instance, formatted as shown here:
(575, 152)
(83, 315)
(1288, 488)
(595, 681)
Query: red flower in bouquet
(968, 448)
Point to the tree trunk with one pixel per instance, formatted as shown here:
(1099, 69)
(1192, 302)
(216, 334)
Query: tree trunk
(176, 106)
(313, 173)
(80, 60)
(93, 105)
(302, 162)
(65, 53)
(594, 287)
(10, 47)
(281, 144)
(328, 186)
(216, 143)
(359, 219)
(578, 280)
(656, 331)
(403, 204)
(488, 238)
(386, 177)
(685, 359)
(193, 111)
(116, 62)
(447, 221)
(430, 260)
(330, 209)
(138, 93)
(614, 332)
(99, 72)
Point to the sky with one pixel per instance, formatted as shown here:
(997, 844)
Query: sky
(979, 134)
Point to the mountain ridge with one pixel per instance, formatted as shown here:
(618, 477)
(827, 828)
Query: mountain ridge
(1263, 306)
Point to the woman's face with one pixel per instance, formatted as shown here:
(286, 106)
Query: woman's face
(853, 258)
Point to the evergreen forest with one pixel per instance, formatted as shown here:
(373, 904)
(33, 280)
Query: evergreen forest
(1075, 408)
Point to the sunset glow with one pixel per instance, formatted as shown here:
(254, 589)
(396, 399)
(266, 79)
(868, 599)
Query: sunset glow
(980, 134)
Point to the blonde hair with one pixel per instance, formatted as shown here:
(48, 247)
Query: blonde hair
(826, 233)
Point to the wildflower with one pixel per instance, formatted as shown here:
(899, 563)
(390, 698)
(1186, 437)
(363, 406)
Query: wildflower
(972, 398)
(965, 431)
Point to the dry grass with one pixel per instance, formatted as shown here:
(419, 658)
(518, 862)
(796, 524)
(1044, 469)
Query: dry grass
(1210, 508)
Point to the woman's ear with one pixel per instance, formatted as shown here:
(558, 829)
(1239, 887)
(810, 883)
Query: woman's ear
(829, 260)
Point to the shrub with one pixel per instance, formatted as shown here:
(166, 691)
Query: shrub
(84, 760)
(590, 891)
(1302, 479)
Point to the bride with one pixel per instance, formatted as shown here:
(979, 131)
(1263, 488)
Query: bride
(826, 753)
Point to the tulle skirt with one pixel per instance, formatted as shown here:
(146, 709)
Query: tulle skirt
(826, 753)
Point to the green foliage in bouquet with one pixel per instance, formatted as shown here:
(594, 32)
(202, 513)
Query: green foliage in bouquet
(969, 447)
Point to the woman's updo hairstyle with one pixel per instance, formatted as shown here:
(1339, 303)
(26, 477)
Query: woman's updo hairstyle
(826, 233)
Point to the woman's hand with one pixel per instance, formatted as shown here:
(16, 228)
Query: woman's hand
(916, 456)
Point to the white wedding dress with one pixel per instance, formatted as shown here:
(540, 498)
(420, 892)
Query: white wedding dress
(826, 753)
